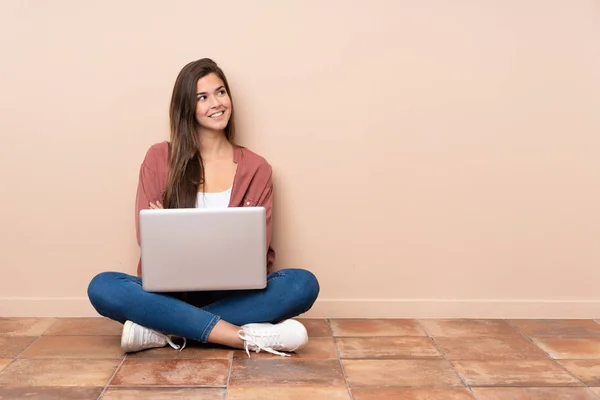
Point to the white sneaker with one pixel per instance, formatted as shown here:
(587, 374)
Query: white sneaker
(135, 338)
(289, 335)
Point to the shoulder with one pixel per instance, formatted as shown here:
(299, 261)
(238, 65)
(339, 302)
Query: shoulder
(254, 162)
(157, 156)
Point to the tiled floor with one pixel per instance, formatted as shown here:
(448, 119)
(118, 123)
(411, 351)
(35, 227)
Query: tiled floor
(346, 359)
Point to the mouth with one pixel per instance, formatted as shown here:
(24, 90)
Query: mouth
(216, 115)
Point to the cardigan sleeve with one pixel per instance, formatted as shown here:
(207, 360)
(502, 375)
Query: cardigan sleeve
(146, 193)
(148, 190)
(265, 199)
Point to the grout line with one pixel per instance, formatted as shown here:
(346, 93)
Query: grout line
(328, 323)
(229, 374)
(445, 358)
(493, 386)
(593, 393)
(548, 354)
(382, 336)
(149, 386)
(339, 358)
(29, 345)
(56, 319)
(112, 377)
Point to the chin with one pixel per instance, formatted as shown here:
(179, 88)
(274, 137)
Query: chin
(214, 125)
(222, 125)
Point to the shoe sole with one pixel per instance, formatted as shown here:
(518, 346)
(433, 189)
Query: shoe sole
(126, 335)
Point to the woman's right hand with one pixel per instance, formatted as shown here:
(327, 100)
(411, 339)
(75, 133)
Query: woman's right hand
(157, 206)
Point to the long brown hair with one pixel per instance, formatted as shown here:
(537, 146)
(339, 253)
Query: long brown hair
(186, 169)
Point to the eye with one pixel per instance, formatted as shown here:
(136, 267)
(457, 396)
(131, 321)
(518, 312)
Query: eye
(222, 92)
(201, 97)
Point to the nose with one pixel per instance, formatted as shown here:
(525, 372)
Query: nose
(213, 102)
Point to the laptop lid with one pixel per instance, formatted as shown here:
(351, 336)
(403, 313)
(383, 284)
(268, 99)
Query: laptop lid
(194, 249)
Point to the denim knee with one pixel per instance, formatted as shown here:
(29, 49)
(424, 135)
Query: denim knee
(304, 287)
(98, 284)
(101, 291)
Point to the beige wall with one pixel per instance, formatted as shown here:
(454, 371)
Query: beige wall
(461, 136)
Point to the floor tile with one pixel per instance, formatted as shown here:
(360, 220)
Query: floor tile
(557, 327)
(514, 373)
(58, 372)
(400, 373)
(317, 327)
(570, 348)
(50, 393)
(376, 327)
(411, 394)
(285, 372)
(387, 347)
(533, 394)
(289, 393)
(113, 393)
(172, 372)
(317, 348)
(24, 326)
(490, 348)
(85, 326)
(4, 362)
(12, 346)
(467, 327)
(588, 371)
(188, 353)
(75, 347)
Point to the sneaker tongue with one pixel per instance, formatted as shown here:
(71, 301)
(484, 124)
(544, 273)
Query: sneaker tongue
(152, 337)
(266, 338)
(271, 342)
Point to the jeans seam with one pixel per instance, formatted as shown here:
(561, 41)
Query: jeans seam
(209, 328)
(278, 274)
(208, 306)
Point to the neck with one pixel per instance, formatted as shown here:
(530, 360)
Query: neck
(213, 144)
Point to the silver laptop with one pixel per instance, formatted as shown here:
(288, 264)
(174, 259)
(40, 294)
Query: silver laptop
(195, 249)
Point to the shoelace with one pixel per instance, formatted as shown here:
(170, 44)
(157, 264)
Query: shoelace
(250, 340)
(154, 336)
(176, 346)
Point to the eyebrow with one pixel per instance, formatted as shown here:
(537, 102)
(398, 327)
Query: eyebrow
(216, 90)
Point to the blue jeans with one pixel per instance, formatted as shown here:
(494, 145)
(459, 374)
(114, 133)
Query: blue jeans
(193, 315)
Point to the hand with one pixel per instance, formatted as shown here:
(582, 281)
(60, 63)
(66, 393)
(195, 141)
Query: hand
(157, 206)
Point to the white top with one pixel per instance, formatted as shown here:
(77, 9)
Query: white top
(213, 200)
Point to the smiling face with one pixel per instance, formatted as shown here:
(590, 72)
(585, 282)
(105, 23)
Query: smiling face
(213, 104)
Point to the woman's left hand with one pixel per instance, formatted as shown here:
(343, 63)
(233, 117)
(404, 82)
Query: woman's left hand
(157, 206)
